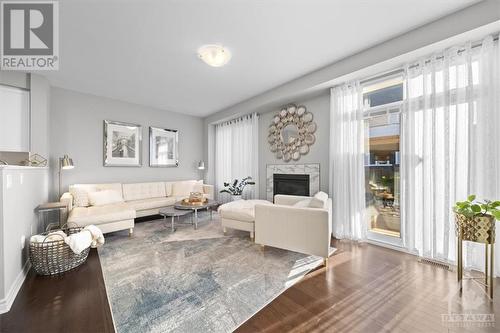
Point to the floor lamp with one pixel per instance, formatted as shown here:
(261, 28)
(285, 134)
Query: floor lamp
(65, 163)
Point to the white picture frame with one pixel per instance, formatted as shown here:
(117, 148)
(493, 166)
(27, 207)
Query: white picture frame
(122, 144)
(163, 147)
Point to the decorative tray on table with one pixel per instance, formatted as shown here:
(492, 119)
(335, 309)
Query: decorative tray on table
(195, 199)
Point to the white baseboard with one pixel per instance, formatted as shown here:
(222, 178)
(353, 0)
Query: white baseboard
(6, 302)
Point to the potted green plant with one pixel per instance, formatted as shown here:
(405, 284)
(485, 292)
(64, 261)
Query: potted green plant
(474, 218)
(236, 187)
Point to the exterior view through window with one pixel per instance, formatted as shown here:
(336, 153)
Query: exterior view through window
(382, 102)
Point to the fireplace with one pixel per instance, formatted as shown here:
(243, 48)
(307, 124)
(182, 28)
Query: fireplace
(292, 184)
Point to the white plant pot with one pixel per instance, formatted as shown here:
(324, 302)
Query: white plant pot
(236, 197)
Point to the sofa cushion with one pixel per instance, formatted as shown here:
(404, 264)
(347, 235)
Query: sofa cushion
(241, 210)
(105, 197)
(319, 200)
(83, 216)
(303, 203)
(95, 187)
(185, 187)
(80, 195)
(140, 191)
(144, 204)
(168, 188)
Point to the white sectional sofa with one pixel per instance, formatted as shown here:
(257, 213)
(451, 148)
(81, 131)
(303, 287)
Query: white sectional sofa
(114, 206)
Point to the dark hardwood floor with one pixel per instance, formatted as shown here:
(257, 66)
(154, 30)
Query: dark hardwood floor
(368, 288)
(73, 302)
(365, 288)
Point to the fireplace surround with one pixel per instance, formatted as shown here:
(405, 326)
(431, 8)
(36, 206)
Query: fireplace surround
(292, 184)
(310, 169)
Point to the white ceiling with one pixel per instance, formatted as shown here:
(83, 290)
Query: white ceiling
(144, 51)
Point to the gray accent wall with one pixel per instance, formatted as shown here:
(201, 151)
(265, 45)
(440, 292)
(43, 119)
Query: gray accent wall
(319, 152)
(76, 123)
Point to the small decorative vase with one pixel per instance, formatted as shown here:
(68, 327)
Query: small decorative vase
(236, 197)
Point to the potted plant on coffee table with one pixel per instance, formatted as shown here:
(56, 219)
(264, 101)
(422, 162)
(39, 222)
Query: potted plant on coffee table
(236, 187)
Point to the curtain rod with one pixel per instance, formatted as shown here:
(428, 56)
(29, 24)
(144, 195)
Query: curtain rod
(458, 51)
(239, 118)
(400, 70)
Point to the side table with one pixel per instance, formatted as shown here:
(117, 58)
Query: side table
(45, 209)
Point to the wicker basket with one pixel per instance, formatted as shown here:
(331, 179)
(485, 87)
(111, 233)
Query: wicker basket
(54, 257)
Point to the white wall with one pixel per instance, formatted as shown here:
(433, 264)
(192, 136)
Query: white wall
(320, 108)
(76, 122)
(40, 106)
(22, 189)
(35, 129)
(15, 119)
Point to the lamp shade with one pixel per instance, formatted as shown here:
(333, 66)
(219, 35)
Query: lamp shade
(201, 165)
(66, 163)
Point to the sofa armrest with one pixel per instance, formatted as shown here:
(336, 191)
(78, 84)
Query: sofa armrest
(209, 191)
(67, 198)
(288, 200)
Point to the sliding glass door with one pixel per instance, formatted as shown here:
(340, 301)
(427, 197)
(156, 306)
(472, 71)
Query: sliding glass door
(382, 160)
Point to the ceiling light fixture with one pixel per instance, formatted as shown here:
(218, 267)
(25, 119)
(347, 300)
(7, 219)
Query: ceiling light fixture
(214, 55)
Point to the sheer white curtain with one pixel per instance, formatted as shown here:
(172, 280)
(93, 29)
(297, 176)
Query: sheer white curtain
(347, 173)
(449, 146)
(236, 153)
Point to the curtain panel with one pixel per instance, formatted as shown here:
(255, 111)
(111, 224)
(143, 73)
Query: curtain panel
(347, 172)
(450, 147)
(236, 154)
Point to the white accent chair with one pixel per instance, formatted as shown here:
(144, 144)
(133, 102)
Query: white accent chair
(300, 229)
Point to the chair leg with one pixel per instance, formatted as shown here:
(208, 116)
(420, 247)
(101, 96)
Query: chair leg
(325, 262)
(251, 235)
(130, 232)
(224, 230)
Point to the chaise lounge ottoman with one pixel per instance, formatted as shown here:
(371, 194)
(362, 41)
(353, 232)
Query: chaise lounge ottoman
(240, 215)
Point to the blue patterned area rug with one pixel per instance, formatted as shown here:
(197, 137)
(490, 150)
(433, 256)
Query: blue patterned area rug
(193, 280)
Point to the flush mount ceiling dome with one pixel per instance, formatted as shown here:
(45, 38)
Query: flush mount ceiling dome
(214, 55)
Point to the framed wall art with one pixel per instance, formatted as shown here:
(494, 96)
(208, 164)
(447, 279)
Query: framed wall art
(163, 147)
(122, 144)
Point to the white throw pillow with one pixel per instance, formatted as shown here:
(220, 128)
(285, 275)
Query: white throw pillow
(106, 197)
(303, 203)
(80, 196)
(168, 188)
(319, 200)
(186, 187)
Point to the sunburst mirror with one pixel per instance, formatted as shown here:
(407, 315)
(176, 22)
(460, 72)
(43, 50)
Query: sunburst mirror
(291, 132)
